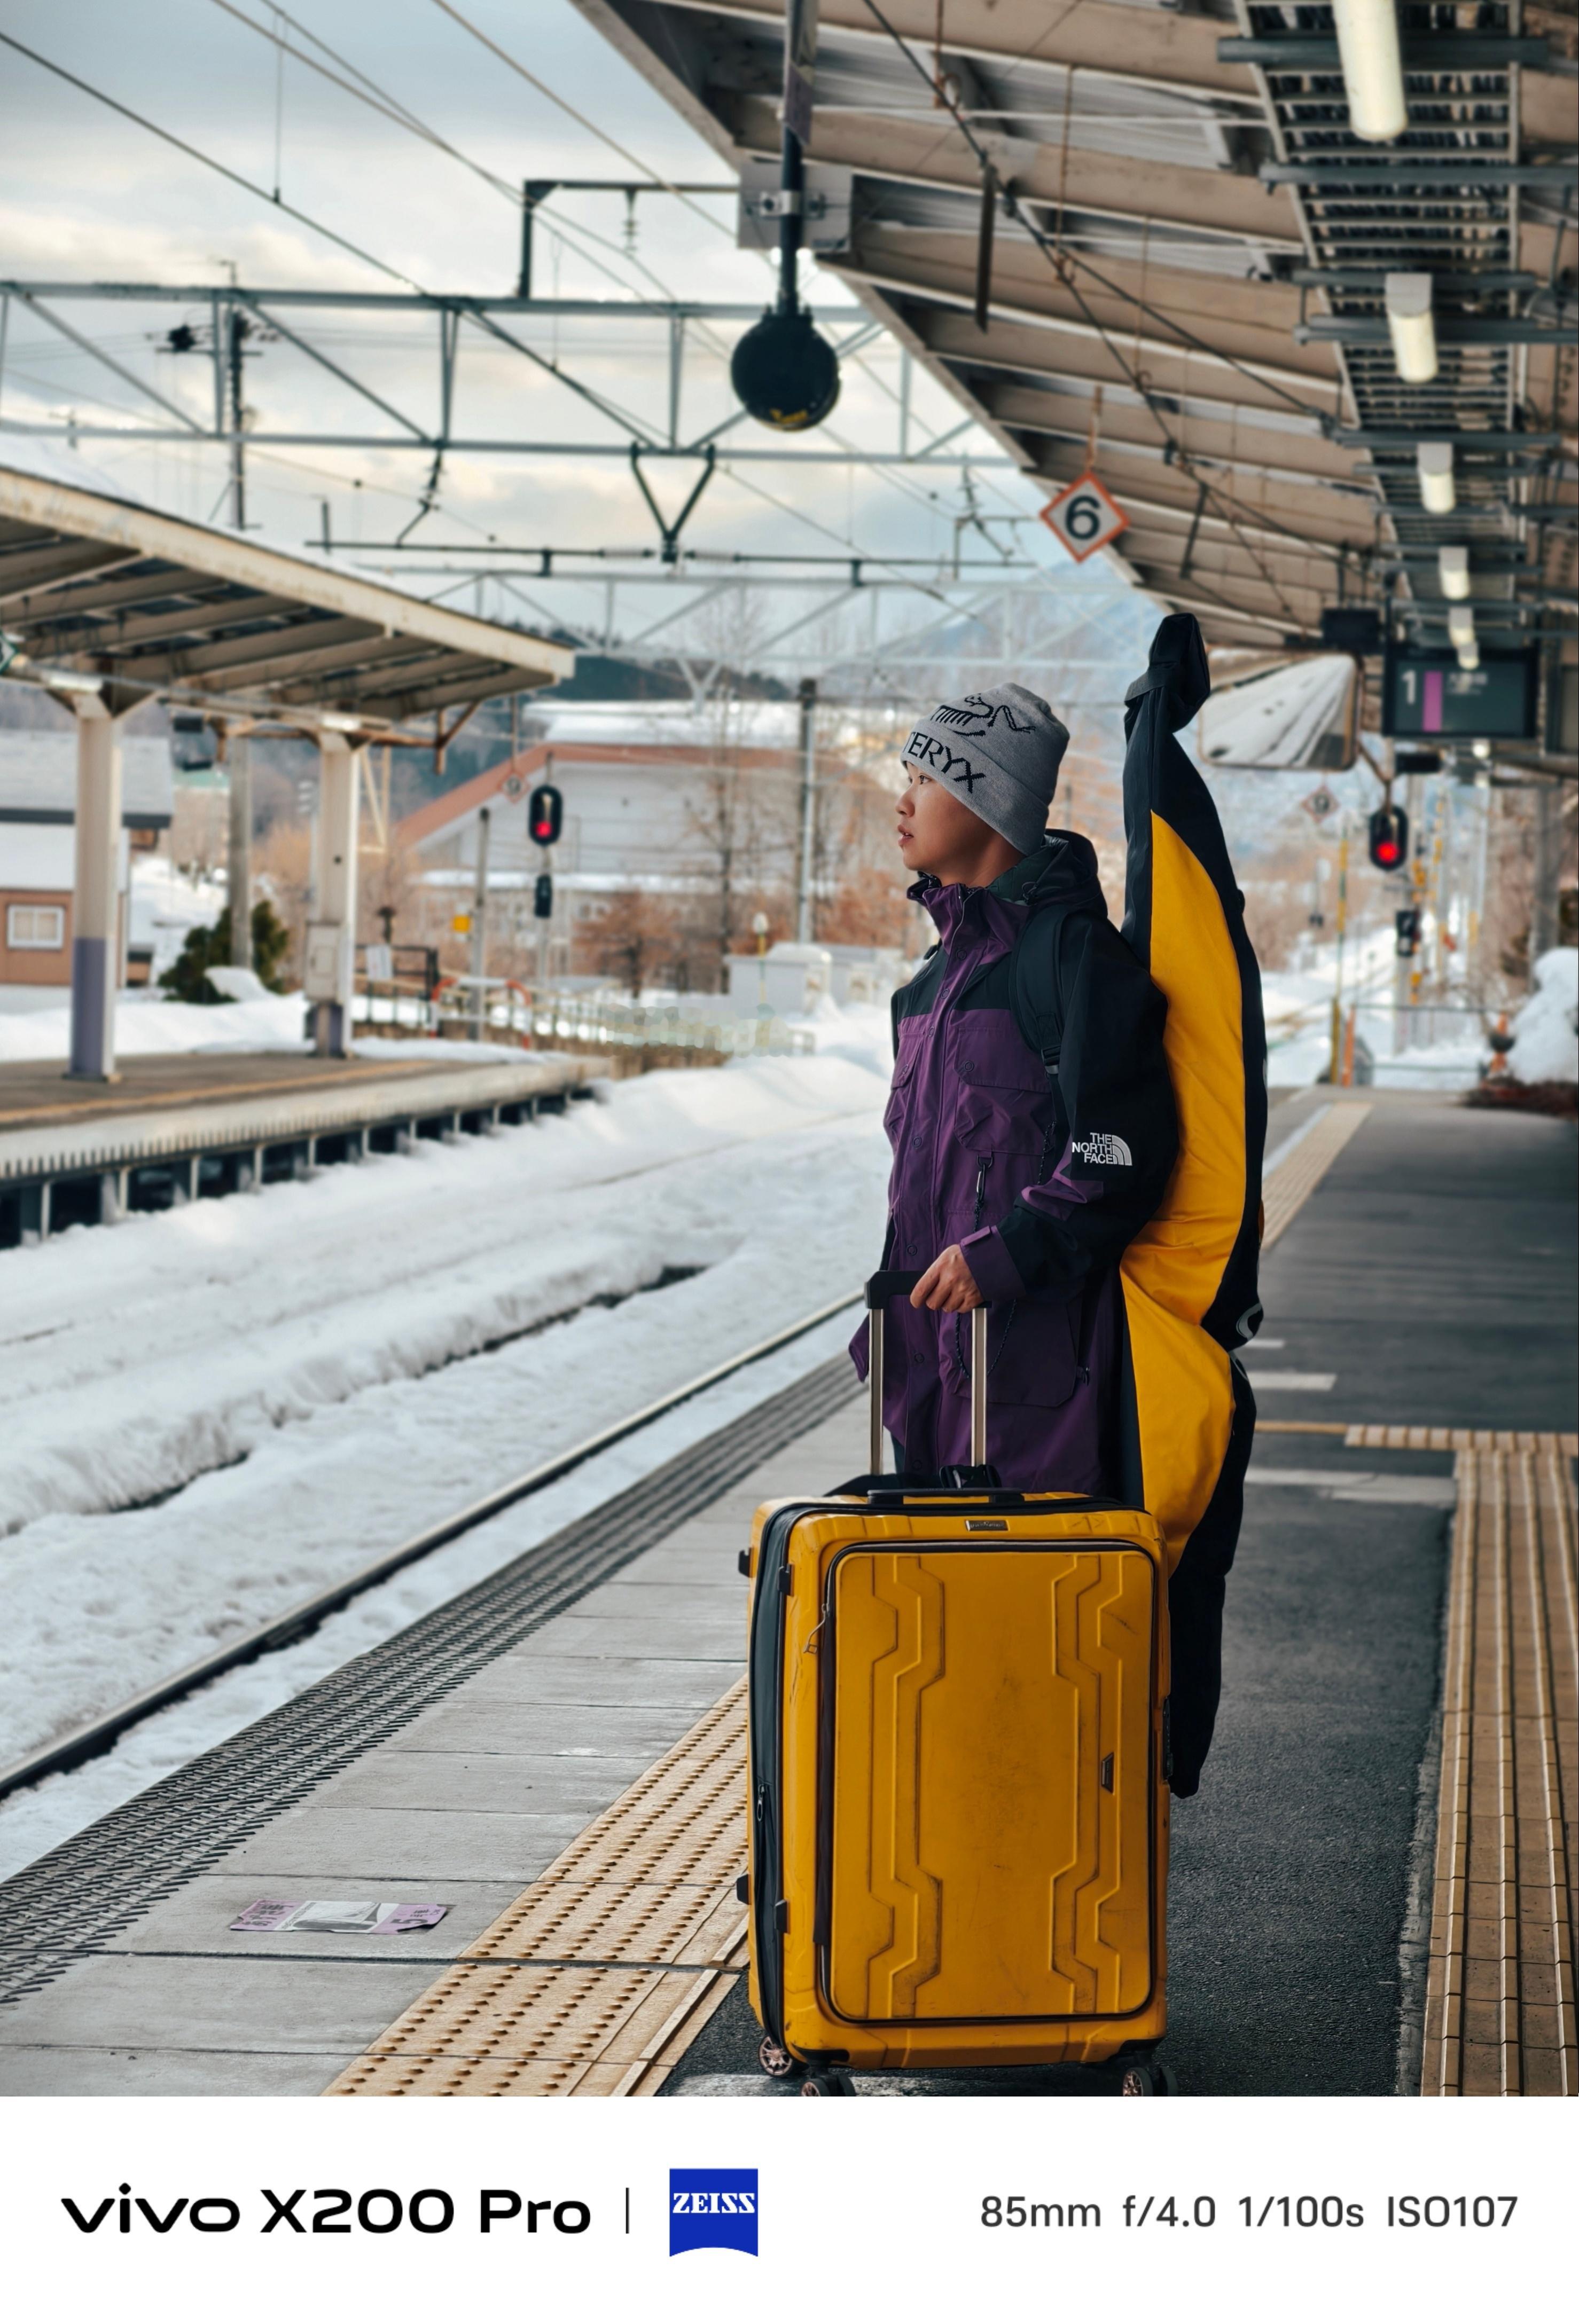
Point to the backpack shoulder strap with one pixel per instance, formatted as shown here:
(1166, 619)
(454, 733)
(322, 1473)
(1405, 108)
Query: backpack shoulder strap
(1039, 999)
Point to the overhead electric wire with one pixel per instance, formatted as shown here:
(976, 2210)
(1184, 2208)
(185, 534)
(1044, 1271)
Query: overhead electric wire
(580, 119)
(625, 419)
(381, 100)
(195, 153)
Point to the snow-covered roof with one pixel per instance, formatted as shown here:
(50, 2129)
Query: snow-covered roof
(747, 725)
(38, 777)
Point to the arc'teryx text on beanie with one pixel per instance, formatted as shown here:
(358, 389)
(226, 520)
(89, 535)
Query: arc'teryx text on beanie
(1000, 751)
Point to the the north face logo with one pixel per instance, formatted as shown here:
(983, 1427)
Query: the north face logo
(1103, 1149)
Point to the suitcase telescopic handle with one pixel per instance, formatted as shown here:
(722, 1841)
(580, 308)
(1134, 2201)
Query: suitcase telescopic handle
(898, 1283)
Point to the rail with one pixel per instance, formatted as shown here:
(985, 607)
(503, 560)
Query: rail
(97, 1735)
(587, 1021)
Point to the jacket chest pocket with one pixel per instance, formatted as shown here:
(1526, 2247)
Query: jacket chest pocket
(1005, 1117)
(901, 1095)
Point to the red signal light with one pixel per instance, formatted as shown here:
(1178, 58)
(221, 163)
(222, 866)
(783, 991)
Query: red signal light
(1388, 838)
(545, 814)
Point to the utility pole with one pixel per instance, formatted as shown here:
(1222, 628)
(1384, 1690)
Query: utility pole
(236, 328)
(1543, 915)
(1334, 1065)
(239, 850)
(480, 929)
(1402, 965)
(803, 914)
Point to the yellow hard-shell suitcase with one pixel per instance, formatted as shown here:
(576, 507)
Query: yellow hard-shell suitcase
(958, 1797)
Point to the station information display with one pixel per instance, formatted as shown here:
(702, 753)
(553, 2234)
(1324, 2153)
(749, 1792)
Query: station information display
(1429, 694)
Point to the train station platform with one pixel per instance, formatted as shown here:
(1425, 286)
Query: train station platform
(1371, 1893)
(175, 1128)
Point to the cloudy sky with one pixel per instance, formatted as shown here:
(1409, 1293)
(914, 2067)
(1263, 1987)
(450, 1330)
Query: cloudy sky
(87, 194)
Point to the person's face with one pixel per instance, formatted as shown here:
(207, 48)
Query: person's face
(938, 832)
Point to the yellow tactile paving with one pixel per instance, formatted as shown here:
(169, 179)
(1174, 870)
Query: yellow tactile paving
(1499, 2014)
(1387, 1437)
(595, 1981)
(598, 1977)
(1292, 1183)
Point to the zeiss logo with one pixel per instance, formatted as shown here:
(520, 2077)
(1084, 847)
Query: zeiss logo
(712, 2207)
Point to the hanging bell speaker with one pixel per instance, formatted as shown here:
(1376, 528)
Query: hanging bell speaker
(785, 372)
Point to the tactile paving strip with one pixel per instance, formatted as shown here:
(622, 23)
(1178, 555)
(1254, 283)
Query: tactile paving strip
(96, 1884)
(1292, 1183)
(600, 1975)
(1382, 1436)
(1500, 2011)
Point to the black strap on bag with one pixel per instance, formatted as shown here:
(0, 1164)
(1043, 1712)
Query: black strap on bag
(1039, 999)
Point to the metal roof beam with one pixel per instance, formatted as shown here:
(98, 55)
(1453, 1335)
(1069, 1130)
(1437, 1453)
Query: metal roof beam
(87, 597)
(425, 303)
(1422, 52)
(1452, 331)
(21, 575)
(1083, 179)
(1453, 176)
(1146, 342)
(1098, 37)
(216, 614)
(257, 661)
(1467, 440)
(478, 686)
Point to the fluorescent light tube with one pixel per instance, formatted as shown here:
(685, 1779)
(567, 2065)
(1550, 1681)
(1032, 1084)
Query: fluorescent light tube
(1469, 657)
(1373, 73)
(1453, 571)
(1461, 624)
(1411, 328)
(1435, 463)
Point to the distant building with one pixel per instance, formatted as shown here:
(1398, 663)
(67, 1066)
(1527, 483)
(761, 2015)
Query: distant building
(37, 853)
(660, 804)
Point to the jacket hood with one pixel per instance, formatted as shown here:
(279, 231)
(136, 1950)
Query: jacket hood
(1060, 869)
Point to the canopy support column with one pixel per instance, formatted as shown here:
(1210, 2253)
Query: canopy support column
(96, 946)
(331, 939)
(239, 851)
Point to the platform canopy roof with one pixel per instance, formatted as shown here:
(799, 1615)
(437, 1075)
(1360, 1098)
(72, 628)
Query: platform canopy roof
(91, 585)
(1187, 282)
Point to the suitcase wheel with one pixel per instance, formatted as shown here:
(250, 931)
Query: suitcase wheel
(1148, 2081)
(776, 2061)
(830, 2083)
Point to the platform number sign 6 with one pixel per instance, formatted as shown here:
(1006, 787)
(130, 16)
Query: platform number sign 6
(1084, 518)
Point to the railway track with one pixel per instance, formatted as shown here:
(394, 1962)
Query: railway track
(68, 1904)
(99, 1734)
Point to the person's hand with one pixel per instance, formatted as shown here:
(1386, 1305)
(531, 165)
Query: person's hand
(947, 1284)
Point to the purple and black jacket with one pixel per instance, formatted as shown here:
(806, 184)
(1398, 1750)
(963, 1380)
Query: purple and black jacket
(1041, 1176)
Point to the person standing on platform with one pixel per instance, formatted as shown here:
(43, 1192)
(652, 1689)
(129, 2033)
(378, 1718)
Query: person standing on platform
(1032, 1119)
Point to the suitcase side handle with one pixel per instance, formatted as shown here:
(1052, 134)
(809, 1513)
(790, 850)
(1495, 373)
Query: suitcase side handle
(898, 1283)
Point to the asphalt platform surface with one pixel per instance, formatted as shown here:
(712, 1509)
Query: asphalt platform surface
(1432, 1272)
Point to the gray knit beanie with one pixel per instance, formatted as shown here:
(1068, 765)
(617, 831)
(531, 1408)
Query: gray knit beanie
(1001, 750)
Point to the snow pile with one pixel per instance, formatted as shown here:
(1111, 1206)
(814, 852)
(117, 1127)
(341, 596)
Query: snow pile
(1446, 1046)
(166, 903)
(148, 1025)
(290, 1369)
(1546, 1044)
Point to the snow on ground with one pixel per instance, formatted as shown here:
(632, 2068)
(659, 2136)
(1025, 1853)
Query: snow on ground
(1447, 1047)
(1546, 1044)
(166, 903)
(283, 1368)
(148, 1025)
(34, 1822)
